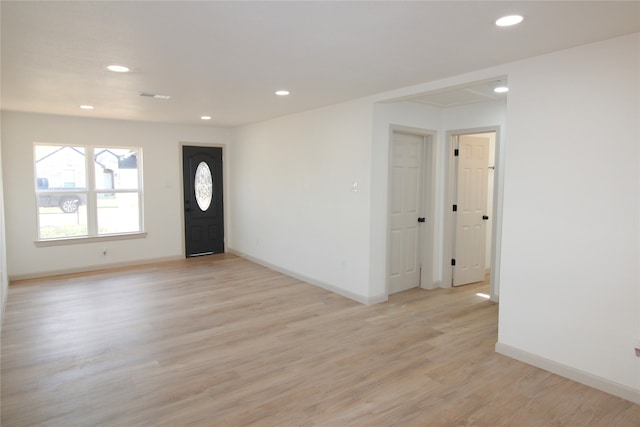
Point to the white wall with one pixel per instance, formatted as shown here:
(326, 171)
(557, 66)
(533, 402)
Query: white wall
(570, 277)
(291, 196)
(162, 189)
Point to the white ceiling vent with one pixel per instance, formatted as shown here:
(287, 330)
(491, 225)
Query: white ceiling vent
(153, 95)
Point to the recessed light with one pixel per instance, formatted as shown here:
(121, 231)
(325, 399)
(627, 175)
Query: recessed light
(87, 107)
(282, 92)
(205, 117)
(118, 68)
(507, 21)
(501, 89)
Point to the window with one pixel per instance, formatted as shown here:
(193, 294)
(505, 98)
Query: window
(81, 198)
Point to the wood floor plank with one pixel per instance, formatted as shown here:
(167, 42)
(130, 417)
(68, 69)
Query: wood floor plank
(220, 341)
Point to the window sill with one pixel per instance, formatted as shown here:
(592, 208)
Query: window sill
(88, 239)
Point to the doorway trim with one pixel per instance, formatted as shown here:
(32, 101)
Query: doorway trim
(450, 191)
(427, 280)
(225, 190)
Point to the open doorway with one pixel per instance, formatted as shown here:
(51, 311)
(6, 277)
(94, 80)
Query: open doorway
(469, 237)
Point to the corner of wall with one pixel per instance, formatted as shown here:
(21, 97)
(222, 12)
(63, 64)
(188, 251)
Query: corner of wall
(586, 378)
(355, 297)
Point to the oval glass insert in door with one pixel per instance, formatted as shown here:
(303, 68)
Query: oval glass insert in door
(203, 186)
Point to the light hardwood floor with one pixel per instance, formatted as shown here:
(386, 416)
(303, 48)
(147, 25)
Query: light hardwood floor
(220, 341)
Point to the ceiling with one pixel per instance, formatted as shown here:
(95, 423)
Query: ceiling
(468, 94)
(226, 59)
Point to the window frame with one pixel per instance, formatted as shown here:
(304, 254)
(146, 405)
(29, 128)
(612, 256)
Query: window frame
(91, 193)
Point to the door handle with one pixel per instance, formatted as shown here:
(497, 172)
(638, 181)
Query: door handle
(421, 219)
(484, 217)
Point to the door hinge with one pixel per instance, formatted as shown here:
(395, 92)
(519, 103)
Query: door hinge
(456, 152)
(453, 262)
(455, 208)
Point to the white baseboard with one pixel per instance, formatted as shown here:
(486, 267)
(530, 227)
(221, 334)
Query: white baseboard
(358, 298)
(377, 299)
(433, 285)
(90, 268)
(574, 374)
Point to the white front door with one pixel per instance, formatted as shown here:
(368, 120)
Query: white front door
(470, 217)
(405, 209)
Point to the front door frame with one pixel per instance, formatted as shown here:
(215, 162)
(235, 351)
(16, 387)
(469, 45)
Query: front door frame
(428, 203)
(225, 189)
(450, 191)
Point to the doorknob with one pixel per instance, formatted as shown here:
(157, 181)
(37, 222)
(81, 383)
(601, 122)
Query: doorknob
(421, 219)
(485, 217)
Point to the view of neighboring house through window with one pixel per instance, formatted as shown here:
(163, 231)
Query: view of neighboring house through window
(79, 198)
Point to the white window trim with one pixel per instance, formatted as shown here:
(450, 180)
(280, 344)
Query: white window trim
(91, 195)
(89, 239)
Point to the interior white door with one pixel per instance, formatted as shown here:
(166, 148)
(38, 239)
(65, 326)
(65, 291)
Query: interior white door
(405, 207)
(470, 217)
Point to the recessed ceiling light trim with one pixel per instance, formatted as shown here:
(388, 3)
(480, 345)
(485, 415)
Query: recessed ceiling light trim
(282, 92)
(87, 107)
(501, 89)
(507, 21)
(205, 117)
(118, 68)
